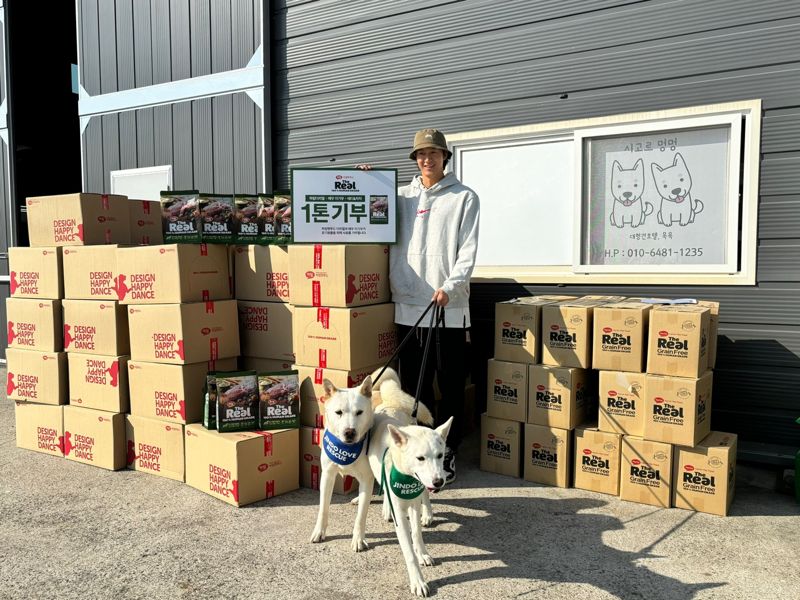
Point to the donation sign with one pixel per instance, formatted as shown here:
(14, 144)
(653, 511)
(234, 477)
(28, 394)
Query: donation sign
(344, 206)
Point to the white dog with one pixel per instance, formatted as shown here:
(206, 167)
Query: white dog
(627, 186)
(674, 184)
(348, 421)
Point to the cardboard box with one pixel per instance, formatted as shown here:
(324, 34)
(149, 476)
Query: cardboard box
(311, 391)
(34, 324)
(677, 409)
(184, 333)
(713, 330)
(557, 396)
(39, 377)
(40, 428)
(242, 467)
(154, 446)
(597, 460)
(145, 222)
(501, 445)
(78, 220)
(265, 329)
(94, 437)
(507, 390)
(517, 328)
(547, 457)
(171, 393)
(678, 340)
(344, 338)
(90, 272)
(311, 468)
(263, 365)
(173, 273)
(99, 382)
(262, 273)
(35, 273)
(96, 327)
(338, 275)
(622, 403)
(705, 476)
(620, 336)
(567, 332)
(646, 472)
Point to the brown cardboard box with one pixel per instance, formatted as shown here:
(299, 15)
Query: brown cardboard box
(265, 329)
(501, 445)
(311, 468)
(40, 428)
(507, 390)
(171, 393)
(620, 336)
(35, 273)
(597, 460)
(677, 409)
(713, 330)
(517, 328)
(622, 402)
(154, 446)
(90, 272)
(547, 455)
(94, 437)
(557, 396)
(567, 332)
(39, 377)
(646, 471)
(705, 476)
(99, 382)
(338, 275)
(173, 273)
(96, 327)
(344, 338)
(78, 220)
(678, 340)
(242, 467)
(263, 365)
(34, 324)
(262, 273)
(184, 333)
(145, 222)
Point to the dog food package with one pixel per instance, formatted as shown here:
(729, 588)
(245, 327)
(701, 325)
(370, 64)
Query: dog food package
(547, 455)
(311, 467)
(237, 400)
(39, 377)
(210, 401)
(90, 272)
(713, 330)
(338, 275)
(78, 220)
(173, 273)
(95, 437)
(248, 218)
(558, 396)
(99, 382)
(622, 402)
(263, 365)
(597, 460)
(344, 338)
(217, 218)
(265, 329)
(279, 401)
(242, 467)
(184, 333)
(262, 273)
(267, 231)
(646, 471)
(180, 216)
(704, 477)
(517, 328)
(282, 205)
(34, 324)
(35, 273)
(154, 446)
(677, 409)
(171, 393)
(507, 390)
(620, 337)
(40, 427)
(96, 327)
(501, 445)
(145, 222)
(678, 340)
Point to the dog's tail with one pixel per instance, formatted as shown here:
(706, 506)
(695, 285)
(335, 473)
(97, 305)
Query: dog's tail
(698, 206)
(392, 396)
(648, 209)
(389, 374)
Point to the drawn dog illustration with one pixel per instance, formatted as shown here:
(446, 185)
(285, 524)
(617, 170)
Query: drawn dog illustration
(674, 184)
(627, 186)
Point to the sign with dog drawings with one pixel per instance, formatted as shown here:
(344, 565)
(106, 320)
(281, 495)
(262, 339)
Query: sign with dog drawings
(344, 206)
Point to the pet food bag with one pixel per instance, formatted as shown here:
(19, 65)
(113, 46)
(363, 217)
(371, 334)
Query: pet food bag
(210, 406)
(180, 216)
(237, 401)
(248, 218)
(279, 400)
(216, 218)
(283, 218)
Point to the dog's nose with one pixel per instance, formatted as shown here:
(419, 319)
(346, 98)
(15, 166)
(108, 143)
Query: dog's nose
(627, 194)
(437, 483)
(349, 434)
(677, 191)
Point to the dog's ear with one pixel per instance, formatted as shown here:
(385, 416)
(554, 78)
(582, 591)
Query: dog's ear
(366, 387)
(678, 160)
(639, 165)
(616, 166)
(656, 169)
(398, 437)
(329, 388)
(444, 428)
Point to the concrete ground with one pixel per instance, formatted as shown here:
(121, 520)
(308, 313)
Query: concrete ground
(71, 530)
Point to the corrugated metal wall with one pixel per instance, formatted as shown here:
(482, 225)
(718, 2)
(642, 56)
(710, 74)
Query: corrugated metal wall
(5, 212)
(354, 80)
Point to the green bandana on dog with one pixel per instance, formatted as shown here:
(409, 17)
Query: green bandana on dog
(404, 486)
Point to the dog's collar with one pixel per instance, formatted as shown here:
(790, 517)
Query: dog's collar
(403, 486)
(341, 453)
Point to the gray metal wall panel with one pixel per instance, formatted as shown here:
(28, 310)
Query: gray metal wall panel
(182, 143)
(143, 42)
(161, 39)
(145, 134)
(780, 173)
(222, 136)
(5, 218)
(244, 150)
(200, 40)
(3, 66)
(180, 45)
(126, 53)
(128, 155)
(758, 345)
(4, 294)
(245, 28)
(202, 145)
(92, 141)
(162, 137)
(779, 217)
(781, 130)
(90, 47)
(770, 382)
(111, 148)
(262, 160)
(221, 37)
(108, 46)
(779, 260)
